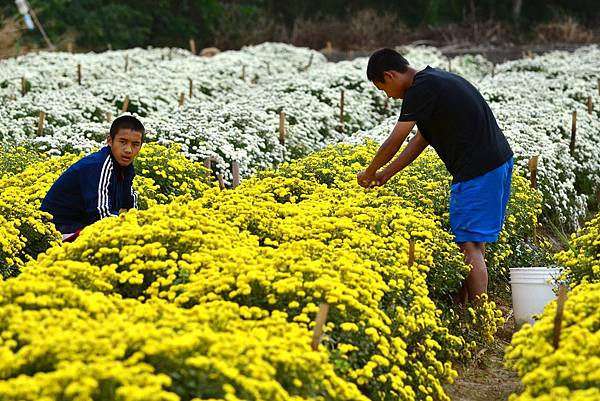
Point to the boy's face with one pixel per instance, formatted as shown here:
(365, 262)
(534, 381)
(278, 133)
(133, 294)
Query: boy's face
(392, 85)
(125, 146)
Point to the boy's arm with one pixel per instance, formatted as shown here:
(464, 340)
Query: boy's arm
(415, 147)
(94, 184)
(386, 151)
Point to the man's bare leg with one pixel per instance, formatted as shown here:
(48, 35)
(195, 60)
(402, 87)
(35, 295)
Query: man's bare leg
(477, 280)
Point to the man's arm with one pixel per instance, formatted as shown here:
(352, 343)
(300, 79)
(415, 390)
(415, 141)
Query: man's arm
(386, 151)
(415, 147)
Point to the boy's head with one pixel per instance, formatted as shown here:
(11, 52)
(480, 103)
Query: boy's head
(125, 139)
(387, 69)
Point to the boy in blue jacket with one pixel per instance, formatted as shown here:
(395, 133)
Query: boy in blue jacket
(452, 117)
(100, 184)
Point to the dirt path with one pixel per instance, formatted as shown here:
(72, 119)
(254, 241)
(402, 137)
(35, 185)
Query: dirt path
(484, 378)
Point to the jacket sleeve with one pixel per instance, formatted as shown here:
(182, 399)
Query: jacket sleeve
(131, 197)
(94, 183)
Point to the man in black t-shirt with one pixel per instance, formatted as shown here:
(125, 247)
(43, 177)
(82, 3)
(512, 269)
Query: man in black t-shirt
(452, 117)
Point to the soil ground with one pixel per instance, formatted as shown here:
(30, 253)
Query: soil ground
(484, 378)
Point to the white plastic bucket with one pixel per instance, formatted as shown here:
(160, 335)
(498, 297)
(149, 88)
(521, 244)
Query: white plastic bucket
(531, 291)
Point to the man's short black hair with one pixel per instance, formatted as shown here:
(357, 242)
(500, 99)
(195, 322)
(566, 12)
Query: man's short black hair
(127, 122)
(385, 60)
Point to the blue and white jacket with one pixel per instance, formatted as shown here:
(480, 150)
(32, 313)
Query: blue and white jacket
(93, 188)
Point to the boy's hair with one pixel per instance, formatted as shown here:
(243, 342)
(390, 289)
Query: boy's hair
(126, 122)
(385, 60)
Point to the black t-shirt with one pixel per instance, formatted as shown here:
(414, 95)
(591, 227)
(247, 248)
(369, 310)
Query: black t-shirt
(457, 122)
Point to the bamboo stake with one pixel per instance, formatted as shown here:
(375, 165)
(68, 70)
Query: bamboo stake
(282, 127)
(79, 74)
(193, 46)
(560, 307)
(191, 91)
(23, 86)
(319, 323)
(411, 252)
(126, 62)
(125, 104)
(493, 70)
(598, 86)
(449, 65)
(221, 181)
(243, 73)
(310, 60)
(573, 133)
(530, 54)
(109, 117)
(181, 98)
(268, 69)
(342, 110)
(590, 105)
(41, 122)
(235, 171)
(533, 169)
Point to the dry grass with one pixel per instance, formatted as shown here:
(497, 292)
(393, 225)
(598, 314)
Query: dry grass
(565, 31)
(10, 32)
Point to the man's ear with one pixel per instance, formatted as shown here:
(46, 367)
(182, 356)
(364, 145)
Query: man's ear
(388, 76)
(109, 140)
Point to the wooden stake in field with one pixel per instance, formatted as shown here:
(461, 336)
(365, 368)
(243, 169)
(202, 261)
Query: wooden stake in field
(282, 128)
(125, 104)
(560, 307)
(268, 69)
(181, 98)
(310, 60)
(342, 110)
(598, 86)
(70, 47)
(109, 117)
(235, 171)
(590, 105)
(193, 46)
(79, 74)
(191, 85)
(221, 181)
(573, 133)
(493, 70)
(411, 252)
(533, 169)
(126, 62)
(23, 86)
(320, 321)
(530, 54)
(243, 76)
(41, 122)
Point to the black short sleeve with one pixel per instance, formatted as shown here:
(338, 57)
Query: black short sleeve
(419, 102)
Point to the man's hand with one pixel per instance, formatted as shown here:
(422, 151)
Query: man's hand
(365, 179)
(369, 181)
(381, 178)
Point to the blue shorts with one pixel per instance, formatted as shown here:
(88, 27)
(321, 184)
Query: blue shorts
(478, 206)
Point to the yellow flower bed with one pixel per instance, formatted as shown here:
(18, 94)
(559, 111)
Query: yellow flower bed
(573, 371)
(582, 258)
(163, 175)
(59, 342)
(265, 255)
(28, 232)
